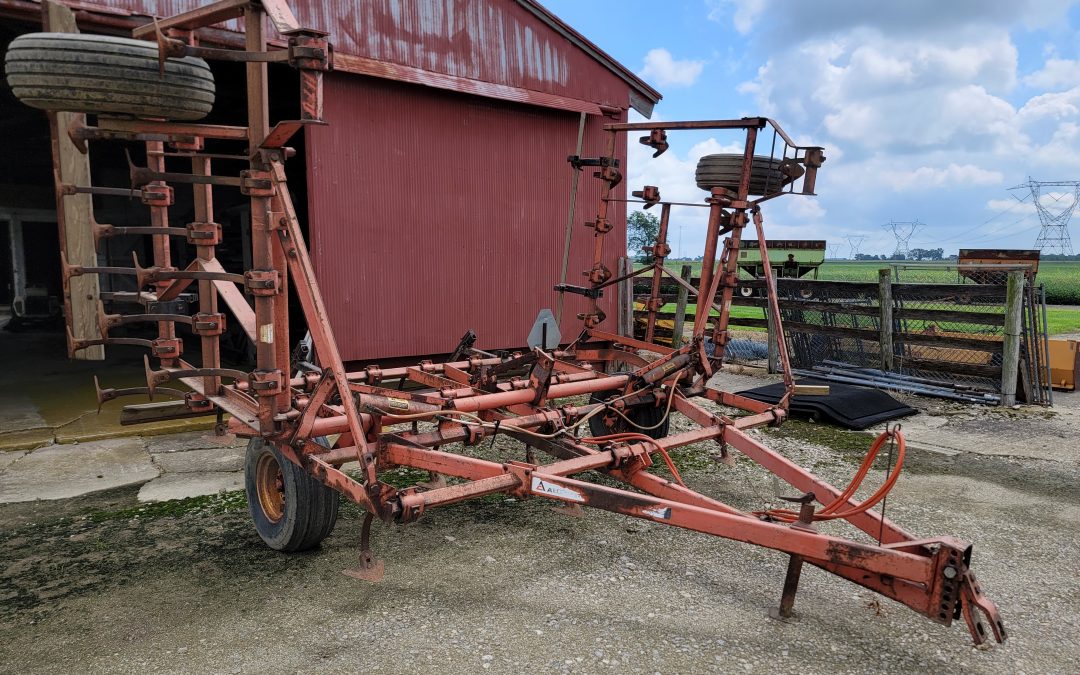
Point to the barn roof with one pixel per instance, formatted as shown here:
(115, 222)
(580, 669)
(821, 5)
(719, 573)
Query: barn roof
(507, 49)
(648, 95)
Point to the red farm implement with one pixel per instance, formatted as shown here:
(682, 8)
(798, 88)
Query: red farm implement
(306, 422)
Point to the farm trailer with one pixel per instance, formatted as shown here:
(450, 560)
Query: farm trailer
(789, 258)
(305, 420)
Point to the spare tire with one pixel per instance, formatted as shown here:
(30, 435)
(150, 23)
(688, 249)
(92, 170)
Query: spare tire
(106, 75)
(651, 420)
(725, 171)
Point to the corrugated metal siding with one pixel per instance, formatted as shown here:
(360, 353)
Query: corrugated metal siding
(432, 213)
(488, 40)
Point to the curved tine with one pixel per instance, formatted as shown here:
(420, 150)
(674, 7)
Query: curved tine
(105, 395)
(144, 276)
(151, 377)
(102, 320)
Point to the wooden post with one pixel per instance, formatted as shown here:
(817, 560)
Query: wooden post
(885, 301)
(680, 308)
(773, 333)
(1010, 357)
(74, 213)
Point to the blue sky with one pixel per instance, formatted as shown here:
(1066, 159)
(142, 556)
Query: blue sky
(928, 110)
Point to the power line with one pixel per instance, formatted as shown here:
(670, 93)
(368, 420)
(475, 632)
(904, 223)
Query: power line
(995, 233)
(957, 237)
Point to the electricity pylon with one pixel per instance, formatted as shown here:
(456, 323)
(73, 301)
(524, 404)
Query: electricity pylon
(903, 231)
(1054, 231)
(854, 243)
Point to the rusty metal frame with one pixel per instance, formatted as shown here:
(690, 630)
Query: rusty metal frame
(532, 397)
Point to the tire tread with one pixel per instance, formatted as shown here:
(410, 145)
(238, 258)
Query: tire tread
(102, 74)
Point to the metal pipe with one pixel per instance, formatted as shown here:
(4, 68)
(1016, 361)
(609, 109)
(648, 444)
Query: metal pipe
(1046, 347)
(891, 377)
(900, 386)
(899, 376)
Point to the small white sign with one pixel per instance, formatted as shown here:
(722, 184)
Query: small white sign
(546, 487)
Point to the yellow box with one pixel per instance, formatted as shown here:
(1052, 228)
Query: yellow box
(1064, 364)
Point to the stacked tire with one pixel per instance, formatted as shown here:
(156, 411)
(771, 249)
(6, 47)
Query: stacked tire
(106, 75)
(725, 171)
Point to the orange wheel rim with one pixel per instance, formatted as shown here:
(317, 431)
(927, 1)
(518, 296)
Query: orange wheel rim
(270, 485)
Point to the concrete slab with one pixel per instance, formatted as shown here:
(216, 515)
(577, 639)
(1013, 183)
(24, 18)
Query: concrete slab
(17, 413)
(191, 440)
(44, 397)
(184, 485)
(9, 457)
(200, 461)
(25, 439)
(63, 471)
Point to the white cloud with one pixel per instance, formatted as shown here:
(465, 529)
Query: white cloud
(1057, 105)
(744, 13)
(920, 97)
(665, 71)
(789, 22)
(953, 175)
(874, 93)
(805, 208)
(1010, 205)
(1055, 73)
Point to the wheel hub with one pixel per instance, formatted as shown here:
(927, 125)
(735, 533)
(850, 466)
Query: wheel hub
(270, 486)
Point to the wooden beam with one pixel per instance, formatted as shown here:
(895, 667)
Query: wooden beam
(680, 309)
(626, 299)
(74, 213)
(885, 305)
(1010, 357)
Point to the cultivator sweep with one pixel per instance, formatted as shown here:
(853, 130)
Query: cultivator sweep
(307, 420)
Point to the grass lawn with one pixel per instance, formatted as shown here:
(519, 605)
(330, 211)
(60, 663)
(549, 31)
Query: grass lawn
(1061, 278)
(1059, 319)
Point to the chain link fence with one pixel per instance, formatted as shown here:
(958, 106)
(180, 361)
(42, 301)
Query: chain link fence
(969, 313)
(945, 330)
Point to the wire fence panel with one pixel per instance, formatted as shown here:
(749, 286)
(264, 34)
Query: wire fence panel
(952, 333)
(941, 334)
(830, 321)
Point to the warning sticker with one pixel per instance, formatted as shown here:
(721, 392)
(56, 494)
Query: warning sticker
(555, 490)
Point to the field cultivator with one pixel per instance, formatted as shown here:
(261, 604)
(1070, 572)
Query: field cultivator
(307, 418)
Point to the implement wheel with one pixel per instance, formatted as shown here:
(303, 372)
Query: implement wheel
(106, 75)
(608, 422)
(292, 511)
(725, 171)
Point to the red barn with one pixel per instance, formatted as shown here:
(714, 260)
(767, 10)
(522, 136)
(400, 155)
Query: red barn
(437, 196)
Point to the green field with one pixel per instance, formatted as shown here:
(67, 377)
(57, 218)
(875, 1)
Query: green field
(1058, 319)
(1061, 278)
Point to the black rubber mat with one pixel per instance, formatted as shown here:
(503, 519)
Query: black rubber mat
(846, 405)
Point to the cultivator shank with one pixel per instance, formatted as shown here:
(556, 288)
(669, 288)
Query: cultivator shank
(431, 415)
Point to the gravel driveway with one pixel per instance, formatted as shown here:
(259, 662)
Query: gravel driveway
(103, 584)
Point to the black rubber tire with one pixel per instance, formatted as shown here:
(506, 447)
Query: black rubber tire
(310, 508)
(107, 75)
(646, 416)
(725, 171)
